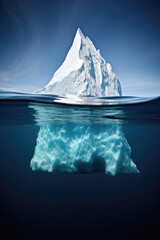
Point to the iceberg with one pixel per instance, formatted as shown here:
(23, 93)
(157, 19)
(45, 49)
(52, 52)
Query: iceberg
(83, 147)
(83, 72)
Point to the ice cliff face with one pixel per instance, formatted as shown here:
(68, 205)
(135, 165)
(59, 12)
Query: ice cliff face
(84, 72)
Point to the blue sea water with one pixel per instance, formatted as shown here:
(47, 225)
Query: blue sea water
(47, 203)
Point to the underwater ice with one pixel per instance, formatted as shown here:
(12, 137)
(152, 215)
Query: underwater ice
(83, 148)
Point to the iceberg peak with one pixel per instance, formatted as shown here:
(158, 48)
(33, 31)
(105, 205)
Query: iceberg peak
(83, 72)
(80, 33)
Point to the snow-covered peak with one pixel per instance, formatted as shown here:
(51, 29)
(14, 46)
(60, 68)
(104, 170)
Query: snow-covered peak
(83, 72)
(79, 32)
(72, 61)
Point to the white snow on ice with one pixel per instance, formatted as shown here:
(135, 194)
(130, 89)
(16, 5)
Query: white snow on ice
(84, 72)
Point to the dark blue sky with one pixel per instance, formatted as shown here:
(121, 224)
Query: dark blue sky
(35, 36)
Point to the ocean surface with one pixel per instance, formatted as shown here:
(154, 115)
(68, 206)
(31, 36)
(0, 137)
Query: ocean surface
(44, 199)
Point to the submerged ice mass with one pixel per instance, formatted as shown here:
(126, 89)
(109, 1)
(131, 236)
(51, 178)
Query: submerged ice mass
(75, 141)
(84, 72)
(82, 148)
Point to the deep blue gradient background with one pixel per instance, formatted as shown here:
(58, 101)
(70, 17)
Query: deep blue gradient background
(38, 205)
(35, 36)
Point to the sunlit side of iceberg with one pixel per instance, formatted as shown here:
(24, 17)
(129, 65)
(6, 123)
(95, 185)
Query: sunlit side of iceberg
(82, 148)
